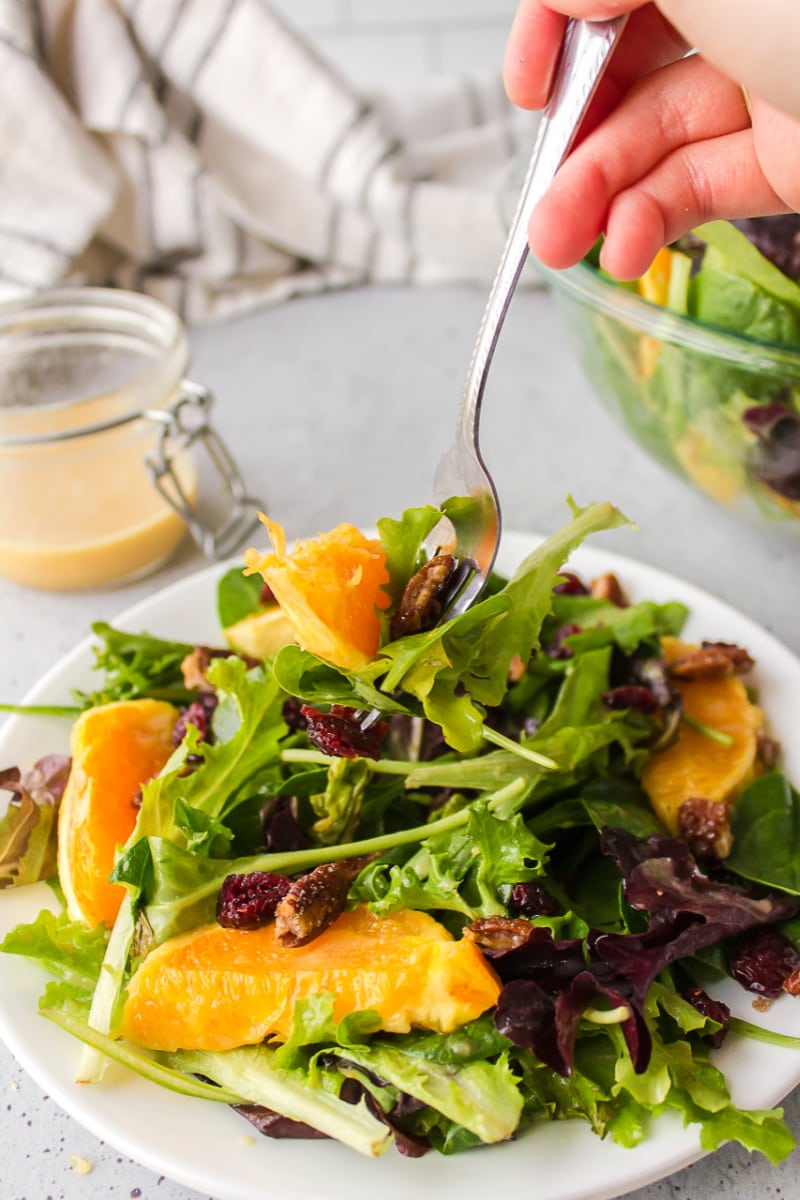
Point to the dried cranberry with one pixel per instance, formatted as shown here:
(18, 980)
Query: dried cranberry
(715, 1009)
(282, 831)
(292, 713)
(533, 900)
(266, 595)
(571, 585)
(341, 734)
(199, 714)
(556, 648)
(249, 901)
(762, 961)
(630, 696)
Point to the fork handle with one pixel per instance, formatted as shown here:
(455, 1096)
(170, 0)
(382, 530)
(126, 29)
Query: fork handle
(584, 55)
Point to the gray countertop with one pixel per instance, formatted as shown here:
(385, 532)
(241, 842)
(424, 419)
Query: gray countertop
(337, 408)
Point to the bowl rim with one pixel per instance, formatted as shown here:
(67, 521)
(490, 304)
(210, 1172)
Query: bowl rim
(587, 285)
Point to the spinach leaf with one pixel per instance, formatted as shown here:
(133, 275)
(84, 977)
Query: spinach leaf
(238, 596)
(765, 822)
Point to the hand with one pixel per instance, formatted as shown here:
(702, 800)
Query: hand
(668, 142)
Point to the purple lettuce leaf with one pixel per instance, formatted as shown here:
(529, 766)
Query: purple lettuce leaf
(549, 984)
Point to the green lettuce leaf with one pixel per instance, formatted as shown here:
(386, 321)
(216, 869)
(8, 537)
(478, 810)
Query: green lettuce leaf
(248, 725)
(403, 544)
(136, 665)
(309, 1095)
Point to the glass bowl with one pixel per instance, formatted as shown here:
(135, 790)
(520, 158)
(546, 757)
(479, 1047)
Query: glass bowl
(716, 407)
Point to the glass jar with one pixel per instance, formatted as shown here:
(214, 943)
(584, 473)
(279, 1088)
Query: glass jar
(98, 431)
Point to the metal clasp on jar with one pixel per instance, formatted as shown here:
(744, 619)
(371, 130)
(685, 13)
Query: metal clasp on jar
(184, 424)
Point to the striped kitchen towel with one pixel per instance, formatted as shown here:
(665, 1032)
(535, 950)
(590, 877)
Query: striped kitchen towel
(203, 152)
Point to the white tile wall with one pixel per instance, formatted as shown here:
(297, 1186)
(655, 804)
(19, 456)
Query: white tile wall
(388, 42)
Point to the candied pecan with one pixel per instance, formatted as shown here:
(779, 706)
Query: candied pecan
(608, 587)
(314, 901)
(341, 733)
(704, 825)
(767, 749)
(423, 598)
(791, 983)
(498, 933)
(195, 666)
(713, 660)
(763, 960)
(251, 900)
(716, 1009)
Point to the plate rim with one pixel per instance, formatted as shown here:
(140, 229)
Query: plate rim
(515, 544)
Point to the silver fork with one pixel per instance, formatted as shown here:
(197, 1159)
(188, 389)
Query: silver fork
(472, 528)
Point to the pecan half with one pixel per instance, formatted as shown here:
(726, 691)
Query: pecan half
(608, 587)
(498, 933)
(791, 983)
(704, 825)
(194, 667)
(314, 901)
(423, 598)
(767, 749)
(713, 660)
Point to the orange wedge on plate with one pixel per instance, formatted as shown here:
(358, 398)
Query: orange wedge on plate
(115, 749)
(695, 765)
(215, 988)
(330, 588)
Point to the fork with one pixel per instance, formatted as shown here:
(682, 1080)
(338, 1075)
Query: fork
(472, 526)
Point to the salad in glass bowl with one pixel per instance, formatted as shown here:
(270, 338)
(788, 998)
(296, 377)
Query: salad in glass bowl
(368, 873)
(700, 359)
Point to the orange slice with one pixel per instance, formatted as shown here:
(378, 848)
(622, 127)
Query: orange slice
(330, 588)
(696, 766)
(215, 988)
(262, 634)
(115, 749)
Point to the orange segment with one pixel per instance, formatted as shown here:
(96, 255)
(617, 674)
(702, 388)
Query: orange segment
(695, 765)
(115, 749)
(215, 988)
(654, 284)
(330, 588)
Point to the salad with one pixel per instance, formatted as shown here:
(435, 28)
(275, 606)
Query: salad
(726, 416)
(365, 872)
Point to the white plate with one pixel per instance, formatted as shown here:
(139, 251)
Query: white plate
(198, 1144)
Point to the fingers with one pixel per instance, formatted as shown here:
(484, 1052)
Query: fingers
(777, 144)
(531, 53)
(684, 103)
(708, 180)
(753, 42)
(595, 10)
(535, 40)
